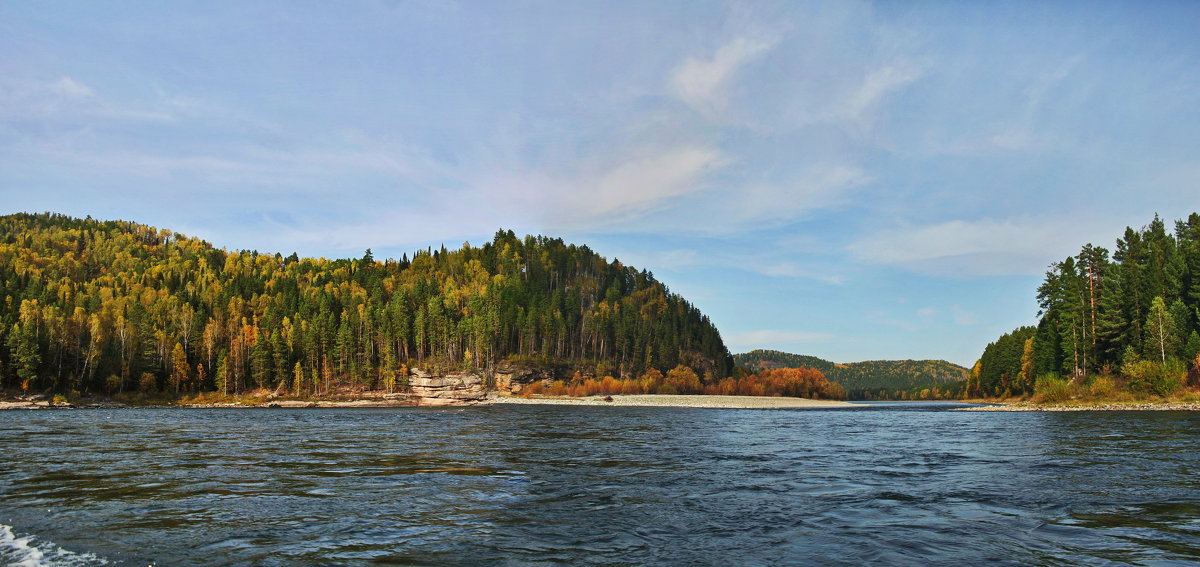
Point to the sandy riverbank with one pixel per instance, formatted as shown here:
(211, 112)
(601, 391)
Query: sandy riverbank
(368, 403)
(664, 400)
(361, 403)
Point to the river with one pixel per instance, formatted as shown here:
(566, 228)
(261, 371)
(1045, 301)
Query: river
(893, 484)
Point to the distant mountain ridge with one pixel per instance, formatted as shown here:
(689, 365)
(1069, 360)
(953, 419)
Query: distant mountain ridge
(859, 378)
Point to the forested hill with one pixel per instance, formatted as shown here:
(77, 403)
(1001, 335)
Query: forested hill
(110, 306)
(761, 359)
(1131, 317)
(871, 378)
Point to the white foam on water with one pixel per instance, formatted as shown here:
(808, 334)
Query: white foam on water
(29, 551)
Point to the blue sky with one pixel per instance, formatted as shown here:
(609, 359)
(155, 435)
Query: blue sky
(852, 180)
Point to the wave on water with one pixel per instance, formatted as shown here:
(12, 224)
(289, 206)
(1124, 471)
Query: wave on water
(29, 551)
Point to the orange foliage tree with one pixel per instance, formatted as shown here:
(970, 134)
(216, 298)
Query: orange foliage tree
(795, 382)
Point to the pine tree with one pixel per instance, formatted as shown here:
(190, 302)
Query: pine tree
(26, 356)
(1191, 349)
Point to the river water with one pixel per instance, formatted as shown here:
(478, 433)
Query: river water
(897, 484)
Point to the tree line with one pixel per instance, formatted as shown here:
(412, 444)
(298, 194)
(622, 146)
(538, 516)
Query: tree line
(870, 379)
(792, 382)
(115, 306)
(1131, 314)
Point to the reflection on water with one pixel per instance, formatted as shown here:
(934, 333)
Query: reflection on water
(604, 485)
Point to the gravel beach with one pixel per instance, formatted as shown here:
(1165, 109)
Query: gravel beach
(1111, 406)
(664, 400)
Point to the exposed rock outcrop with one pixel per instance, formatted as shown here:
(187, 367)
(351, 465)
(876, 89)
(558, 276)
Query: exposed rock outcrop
(513, 378)
(461, 388)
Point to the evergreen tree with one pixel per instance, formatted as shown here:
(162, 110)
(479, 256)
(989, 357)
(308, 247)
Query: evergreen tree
(1191, 349)
(26, 356)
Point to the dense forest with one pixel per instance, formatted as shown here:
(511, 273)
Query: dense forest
(871, 379)
(1128, 318)
(114, 306)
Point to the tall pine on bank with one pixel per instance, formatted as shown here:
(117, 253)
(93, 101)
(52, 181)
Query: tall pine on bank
(113, 306)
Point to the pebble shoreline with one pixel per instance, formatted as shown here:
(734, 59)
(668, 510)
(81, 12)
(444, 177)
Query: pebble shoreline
(1143, 406)
(666, 400)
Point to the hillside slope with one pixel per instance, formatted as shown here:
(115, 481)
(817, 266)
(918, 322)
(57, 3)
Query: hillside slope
(112, 306)
(875, 377)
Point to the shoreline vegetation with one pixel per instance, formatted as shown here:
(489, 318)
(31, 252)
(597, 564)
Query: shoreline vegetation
(1113, 329)
(118, 314)
(382, 400)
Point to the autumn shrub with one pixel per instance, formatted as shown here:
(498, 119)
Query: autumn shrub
(832, 391)
(796, 382)
(1169, 378)
(1102, 387)
(682, 380)
(1193, 372)
(1139, 374)
(533, 389)
(1161, 378)
(148, 383)
(1050, 388)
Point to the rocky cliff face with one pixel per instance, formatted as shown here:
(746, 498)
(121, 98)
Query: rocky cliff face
(511, 378)
(465, 388)
(461, 388)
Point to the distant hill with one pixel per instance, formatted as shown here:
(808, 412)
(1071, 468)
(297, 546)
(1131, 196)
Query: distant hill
(870, 378)
(95, 306)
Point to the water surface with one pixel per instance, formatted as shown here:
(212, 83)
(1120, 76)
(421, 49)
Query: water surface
(891, 484)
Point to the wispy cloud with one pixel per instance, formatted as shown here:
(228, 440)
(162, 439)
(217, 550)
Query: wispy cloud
(964, 318)
(701, 82)
(986, 247)
(66, 98)
(778, 338)
(876, 85)
(635, 185)
(788, 269)
(69, 88)
(909, 321)
(669, 260)
(602, 192)
(812, 188)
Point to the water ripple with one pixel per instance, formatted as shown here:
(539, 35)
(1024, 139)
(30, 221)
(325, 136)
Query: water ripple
(893, 485)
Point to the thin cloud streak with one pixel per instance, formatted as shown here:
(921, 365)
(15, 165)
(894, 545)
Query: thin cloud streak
(702, 82)
(787, 339)
(986, 247)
